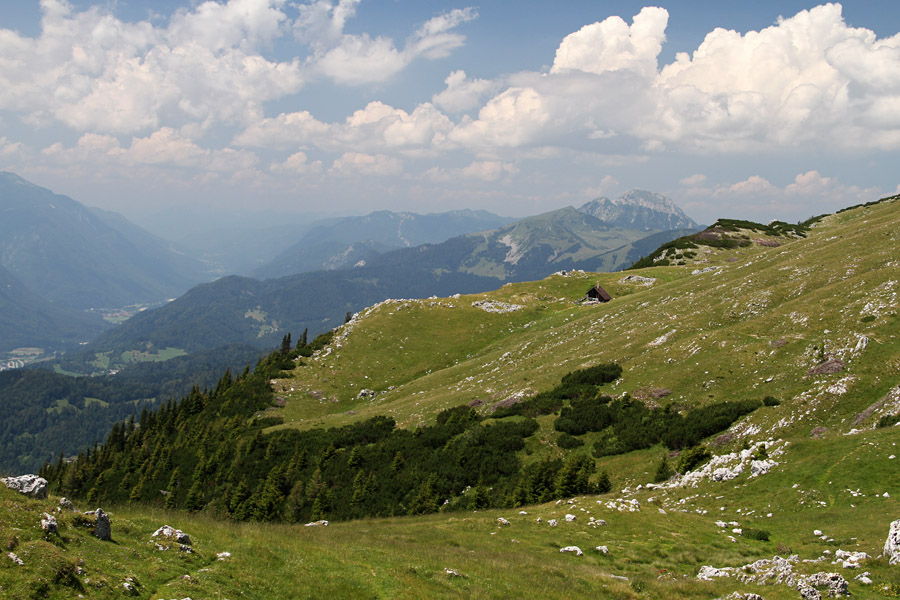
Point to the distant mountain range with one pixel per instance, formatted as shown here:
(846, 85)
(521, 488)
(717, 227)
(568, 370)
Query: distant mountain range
(59, 258)
(352, 241)
(245, 310)
(81, 258)
(29, 321)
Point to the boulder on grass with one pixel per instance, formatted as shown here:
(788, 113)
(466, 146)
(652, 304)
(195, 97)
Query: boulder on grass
(892, 544)
(30, 485)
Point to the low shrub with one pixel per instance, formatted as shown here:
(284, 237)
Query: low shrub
(755, 534)
(888, 420)
(567, 442)
(692, 458)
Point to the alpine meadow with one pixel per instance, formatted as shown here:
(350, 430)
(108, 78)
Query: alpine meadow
(348, 299)
(714, 414)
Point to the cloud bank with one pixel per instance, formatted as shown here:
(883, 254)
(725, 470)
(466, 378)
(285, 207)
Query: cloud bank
(197, 91)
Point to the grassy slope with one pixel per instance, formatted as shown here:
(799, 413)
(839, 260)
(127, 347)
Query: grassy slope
(659, 553)
(722, 326)
(749, 329)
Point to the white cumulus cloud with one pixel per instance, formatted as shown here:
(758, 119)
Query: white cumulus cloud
(758, 198)
(358, 59)
(92, 71)
(613, 45)
(353, 164)
(461, 93)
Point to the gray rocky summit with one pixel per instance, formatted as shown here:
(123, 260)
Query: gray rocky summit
(639, 209)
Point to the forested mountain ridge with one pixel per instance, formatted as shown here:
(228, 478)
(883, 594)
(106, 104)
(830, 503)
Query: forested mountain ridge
(29, 321)
(43, 414)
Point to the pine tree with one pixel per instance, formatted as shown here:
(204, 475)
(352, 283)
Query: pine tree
(194, 500)
(295, 502)
(426, 499)
(663, 470)
(269, 500)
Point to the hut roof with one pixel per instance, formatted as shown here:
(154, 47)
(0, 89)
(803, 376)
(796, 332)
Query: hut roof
(599, 293)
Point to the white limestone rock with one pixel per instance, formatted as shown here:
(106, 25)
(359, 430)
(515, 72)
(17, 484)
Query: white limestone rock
(30, 485)
(573, 549)
(892, 544)
(175, 534)
(48, 523)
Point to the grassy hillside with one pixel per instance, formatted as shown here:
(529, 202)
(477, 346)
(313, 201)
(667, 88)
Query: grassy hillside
(654, 552)
(733, 323)
(810, 323)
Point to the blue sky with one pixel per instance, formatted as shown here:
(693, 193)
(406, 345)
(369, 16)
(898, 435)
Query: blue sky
(755, 110)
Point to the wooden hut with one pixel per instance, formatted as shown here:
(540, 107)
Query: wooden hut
(599, 294)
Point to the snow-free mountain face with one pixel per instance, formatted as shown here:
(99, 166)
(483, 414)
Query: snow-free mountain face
(72, 256)
(639, 209)
(353, 241)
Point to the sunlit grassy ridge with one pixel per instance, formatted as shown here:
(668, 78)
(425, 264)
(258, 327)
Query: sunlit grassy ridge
(751, 327)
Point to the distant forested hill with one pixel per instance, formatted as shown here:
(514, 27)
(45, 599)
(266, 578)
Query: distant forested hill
(27, 320)
(341, 243)
(44, 413)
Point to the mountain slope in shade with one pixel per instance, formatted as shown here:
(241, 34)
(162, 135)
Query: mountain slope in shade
(639, 209)
(27, 320)
(340, 243)
(66, 254)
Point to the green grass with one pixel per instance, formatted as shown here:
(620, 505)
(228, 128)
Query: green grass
(137, 356)
(750, 329)
(658, 552)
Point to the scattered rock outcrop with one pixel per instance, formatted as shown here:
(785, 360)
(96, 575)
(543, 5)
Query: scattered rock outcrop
(496, 307)
(102, 528)
(317, 524)
(176, 534)
(832, 365)
(780, 570)
(30, 485)
(48, 523)
(573, 549)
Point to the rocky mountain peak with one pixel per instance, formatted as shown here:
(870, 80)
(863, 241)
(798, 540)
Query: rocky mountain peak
(639, 209)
